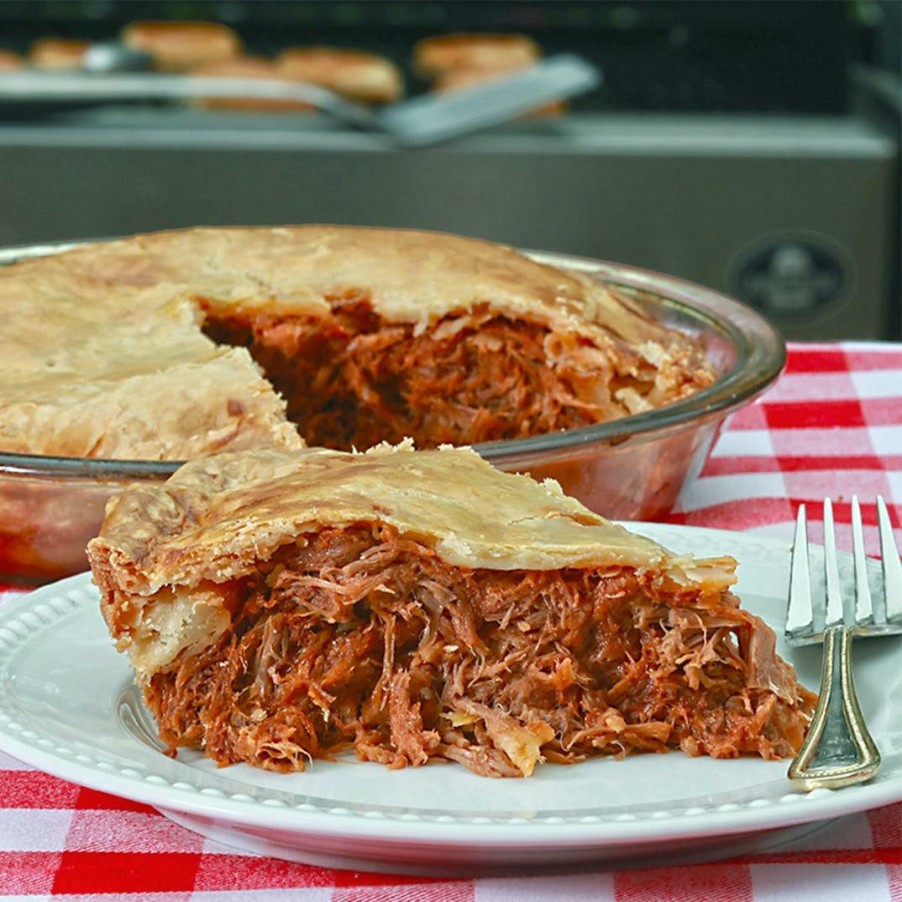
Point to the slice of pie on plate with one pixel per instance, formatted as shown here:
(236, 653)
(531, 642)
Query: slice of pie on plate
(409, 605)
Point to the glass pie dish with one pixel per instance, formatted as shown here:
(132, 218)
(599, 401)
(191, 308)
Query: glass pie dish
(630, 468)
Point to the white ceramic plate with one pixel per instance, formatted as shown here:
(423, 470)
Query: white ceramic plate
(68, 706)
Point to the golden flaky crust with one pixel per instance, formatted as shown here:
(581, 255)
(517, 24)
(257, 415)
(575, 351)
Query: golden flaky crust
(109, 334)
(95, 367)
(219, 517)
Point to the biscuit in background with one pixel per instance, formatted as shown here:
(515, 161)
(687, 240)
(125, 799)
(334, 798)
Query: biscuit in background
(354, 74)
(180, 46)
(10, 60)
(58, 53)
(493, 52)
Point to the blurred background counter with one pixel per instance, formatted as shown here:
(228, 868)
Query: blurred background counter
(752, 147)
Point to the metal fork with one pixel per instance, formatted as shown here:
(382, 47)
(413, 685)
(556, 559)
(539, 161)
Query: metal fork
(838, 750)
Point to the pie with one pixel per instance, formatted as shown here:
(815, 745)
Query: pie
(175, 344)
(283, 606)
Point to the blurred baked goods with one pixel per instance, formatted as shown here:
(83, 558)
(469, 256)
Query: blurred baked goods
(58, 53)
(354, 74)
(489, 52)
(10, 61)
(460, 61)
(252, 67)
(180, 46)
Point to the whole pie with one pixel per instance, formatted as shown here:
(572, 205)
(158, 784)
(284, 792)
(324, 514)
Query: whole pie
(281, 606)
(175, 344)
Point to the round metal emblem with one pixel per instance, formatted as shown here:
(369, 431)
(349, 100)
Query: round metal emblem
(791, 274)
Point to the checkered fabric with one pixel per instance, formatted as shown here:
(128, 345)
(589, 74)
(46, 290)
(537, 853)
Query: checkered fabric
(831, 426)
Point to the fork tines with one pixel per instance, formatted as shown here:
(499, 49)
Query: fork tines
(892, 565)
(803, 614)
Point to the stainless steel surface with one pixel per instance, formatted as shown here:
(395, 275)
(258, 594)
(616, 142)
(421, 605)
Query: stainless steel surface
(838, 749)
(708, 198)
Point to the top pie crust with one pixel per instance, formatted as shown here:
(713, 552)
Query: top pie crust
(218, 516)
(104, 355)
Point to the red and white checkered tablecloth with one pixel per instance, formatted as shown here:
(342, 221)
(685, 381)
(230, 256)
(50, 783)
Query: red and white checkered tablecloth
(831, 426)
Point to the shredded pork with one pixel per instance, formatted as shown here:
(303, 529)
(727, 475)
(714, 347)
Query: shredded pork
(363, 639)
(352, 379)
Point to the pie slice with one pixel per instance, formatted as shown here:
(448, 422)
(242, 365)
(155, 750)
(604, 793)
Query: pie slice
(414, 605)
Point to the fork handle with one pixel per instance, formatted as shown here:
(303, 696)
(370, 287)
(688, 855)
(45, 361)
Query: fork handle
(838, 750)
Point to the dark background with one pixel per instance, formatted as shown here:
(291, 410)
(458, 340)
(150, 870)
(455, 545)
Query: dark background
(776, 56)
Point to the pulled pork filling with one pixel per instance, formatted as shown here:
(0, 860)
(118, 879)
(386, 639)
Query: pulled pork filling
(363, 639)
(352, 379)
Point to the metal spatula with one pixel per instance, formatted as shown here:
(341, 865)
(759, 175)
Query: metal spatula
(33, 87)
(418, 122)
(431, 119)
